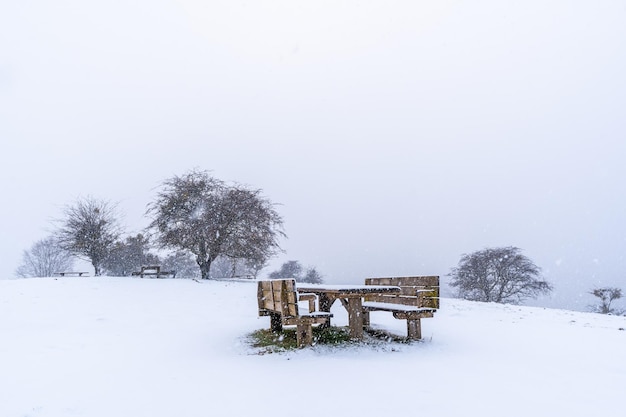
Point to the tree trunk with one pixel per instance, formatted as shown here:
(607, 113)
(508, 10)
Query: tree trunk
(205, 268)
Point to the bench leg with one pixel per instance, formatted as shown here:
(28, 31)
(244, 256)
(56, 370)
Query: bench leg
(355, 318)
(325, 303)
(366, 319)
(304, 334)
(414, 329)
(276, 324)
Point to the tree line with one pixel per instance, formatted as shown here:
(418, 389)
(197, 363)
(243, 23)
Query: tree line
(207, 226)
(212, 229)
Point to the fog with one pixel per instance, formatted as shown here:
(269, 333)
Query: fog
(396, 136)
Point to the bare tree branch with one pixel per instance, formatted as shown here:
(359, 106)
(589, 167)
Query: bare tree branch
(45, 258)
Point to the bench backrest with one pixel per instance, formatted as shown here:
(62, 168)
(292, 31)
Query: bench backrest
(414, 291)
(278, 296)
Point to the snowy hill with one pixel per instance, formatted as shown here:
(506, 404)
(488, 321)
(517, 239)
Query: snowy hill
(104, 347)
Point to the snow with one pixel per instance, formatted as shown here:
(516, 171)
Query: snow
(120, 347)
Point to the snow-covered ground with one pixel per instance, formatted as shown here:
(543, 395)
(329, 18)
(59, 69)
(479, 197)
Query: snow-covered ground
(121, 347)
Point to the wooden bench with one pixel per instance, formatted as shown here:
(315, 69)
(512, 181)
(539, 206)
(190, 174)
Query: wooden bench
(153, 270)
(279, 299)
(418, 299)
(72, 274)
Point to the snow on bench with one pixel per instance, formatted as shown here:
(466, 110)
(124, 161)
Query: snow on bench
(418, 299)
(278, 299)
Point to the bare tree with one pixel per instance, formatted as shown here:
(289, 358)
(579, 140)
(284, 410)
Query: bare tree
(89, 230)
(200, 214)
(45, 258)
(501, 275)
(607, 295)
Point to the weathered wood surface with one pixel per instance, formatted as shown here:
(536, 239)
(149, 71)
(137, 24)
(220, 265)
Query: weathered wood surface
(418, 298)
(351, 297)
(414, 291)
(279, 300)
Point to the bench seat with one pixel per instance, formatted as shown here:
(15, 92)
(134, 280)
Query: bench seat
(376, 306)
(418, 299)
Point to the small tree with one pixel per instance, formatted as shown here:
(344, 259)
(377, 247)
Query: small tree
(204, 216)
(293, 269)
(289, 269)
(607, 295)
(501, 275)
(89, 231)
(125, 257)
(312, 276)
(45, 258)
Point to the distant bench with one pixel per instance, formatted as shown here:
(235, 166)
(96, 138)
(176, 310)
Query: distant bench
(154, 270)
(279, 299)
(72, 274)
(418, 299)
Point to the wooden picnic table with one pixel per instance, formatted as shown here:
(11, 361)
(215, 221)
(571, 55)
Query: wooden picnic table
(148, 270)
(351, 297)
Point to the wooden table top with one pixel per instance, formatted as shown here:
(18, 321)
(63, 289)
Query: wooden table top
(347, 288)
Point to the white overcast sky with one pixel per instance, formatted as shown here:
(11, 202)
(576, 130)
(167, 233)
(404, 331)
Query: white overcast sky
(396, 135)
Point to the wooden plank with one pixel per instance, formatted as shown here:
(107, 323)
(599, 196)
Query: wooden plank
(289, 299)
(294, 321)
(424, 288)
(407, 301)
(260, 297)
(409, 315)
(311, 298)
(430, 280)
(378, 281)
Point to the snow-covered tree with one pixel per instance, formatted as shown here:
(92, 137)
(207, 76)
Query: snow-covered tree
(501, 275)
(128, 256)
(202, 215)
(312, 276)
(182, 263)
(289, 269)
(89, 230)
(293, 269)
